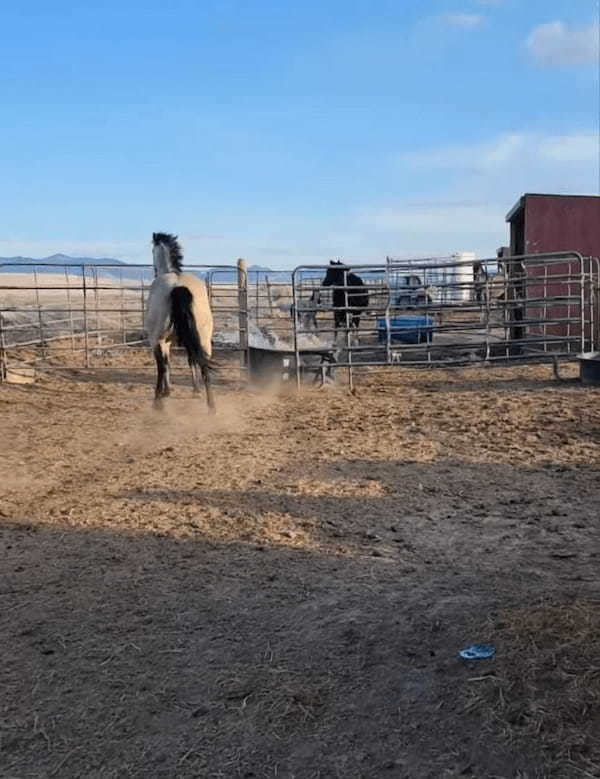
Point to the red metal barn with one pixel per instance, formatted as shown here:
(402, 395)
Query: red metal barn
(541, 224)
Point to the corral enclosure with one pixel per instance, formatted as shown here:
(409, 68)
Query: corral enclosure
(282, 591)
(422, 312)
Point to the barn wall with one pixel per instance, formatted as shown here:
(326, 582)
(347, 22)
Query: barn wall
(560, 224)
(548, 223)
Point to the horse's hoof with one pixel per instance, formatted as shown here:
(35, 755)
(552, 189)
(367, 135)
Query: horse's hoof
(158, 404)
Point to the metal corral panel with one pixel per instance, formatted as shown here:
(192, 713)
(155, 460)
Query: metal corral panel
(556, 223)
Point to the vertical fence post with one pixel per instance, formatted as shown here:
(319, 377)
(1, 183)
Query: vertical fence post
(488, 317)
(582, 303)
(39, 311)
(257, 282)
(295, 301)
(348, 321)
(595, 290)
(70, 306)
(96, 307)
(209, 286)
(242, 269)
(123, 315)
(269, 296)
(3, 360)
(143, 303)
(86, 340)
(589, 343)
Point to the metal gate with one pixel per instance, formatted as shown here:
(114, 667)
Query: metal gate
(454, 311)
(84, 311)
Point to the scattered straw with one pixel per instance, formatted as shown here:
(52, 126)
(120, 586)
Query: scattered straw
(546, 683)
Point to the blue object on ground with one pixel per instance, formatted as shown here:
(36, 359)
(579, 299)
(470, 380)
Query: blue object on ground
(407, 329)
(478, 652)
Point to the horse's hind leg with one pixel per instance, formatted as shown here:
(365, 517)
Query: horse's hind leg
(167, 373)
(209, 393)
(162, 373)
(195, 378)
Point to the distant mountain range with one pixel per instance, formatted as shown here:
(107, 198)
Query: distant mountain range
(57, 264)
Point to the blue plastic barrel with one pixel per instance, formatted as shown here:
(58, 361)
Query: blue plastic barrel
(406, 329)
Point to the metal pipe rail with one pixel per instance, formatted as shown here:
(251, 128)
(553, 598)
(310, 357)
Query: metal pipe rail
(89, 308)
(546, 303)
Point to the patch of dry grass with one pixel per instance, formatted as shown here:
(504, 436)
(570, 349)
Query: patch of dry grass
(545, 685)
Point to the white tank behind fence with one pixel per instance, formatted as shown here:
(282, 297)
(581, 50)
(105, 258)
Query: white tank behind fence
(463, 275)
(449, 279)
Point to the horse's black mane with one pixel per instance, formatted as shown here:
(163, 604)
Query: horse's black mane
(174, 248)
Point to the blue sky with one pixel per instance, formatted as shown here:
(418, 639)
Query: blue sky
(290, 133)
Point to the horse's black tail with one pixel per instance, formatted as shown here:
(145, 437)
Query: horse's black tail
(184, 325)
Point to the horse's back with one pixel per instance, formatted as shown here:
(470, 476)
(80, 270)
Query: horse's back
(167, 281)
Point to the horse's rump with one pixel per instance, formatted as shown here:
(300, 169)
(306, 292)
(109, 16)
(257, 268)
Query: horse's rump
(184, 326)
(160, 307)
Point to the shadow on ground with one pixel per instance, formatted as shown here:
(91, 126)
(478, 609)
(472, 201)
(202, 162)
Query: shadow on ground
(144, 656)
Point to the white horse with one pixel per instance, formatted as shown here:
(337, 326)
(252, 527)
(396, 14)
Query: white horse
(178, 310)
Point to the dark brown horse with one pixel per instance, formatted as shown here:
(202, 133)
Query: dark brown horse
(348, 304)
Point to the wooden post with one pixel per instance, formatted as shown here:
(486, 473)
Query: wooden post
(209, 286)
(242, 267)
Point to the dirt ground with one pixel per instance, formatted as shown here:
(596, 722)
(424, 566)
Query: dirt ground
(282, 590)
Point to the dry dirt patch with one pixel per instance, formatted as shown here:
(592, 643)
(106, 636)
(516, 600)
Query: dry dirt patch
(283, 591)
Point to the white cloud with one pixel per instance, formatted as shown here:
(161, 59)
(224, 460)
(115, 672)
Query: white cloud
(474, 186)
(509, 150)
(555, 43)
(433, 229)
(579, 147)
(439, 228)
(478, 157)
(463, 20)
